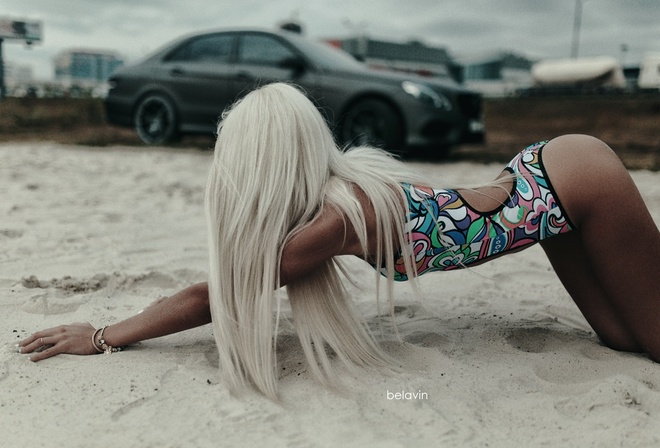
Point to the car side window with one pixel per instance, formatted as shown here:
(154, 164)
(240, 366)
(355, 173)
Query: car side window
(214, 48)
(263, 50)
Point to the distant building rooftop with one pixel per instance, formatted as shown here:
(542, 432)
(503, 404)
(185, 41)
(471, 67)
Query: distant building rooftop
(86, 65)
(506, 59)
(412, 56)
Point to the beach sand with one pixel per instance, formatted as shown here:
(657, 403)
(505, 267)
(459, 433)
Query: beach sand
(495, 356)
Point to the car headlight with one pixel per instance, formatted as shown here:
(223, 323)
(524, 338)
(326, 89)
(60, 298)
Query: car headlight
(426, 95)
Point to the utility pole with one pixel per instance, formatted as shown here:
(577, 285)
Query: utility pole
(3, 89)
(577, 23)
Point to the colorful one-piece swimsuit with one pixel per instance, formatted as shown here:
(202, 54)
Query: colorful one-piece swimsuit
(446, 233)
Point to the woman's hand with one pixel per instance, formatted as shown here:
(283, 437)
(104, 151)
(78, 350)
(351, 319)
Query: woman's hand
(186, 309)
(74, 339)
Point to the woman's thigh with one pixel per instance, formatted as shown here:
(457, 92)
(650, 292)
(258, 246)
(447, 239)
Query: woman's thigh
(618, 236)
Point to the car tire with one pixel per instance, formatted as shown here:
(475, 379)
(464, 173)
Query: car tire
(372, 122)
(155, 120)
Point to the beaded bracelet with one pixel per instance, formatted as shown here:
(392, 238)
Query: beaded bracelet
(101, 346)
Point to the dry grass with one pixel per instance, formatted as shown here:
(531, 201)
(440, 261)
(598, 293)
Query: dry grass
(75, 121)
(629, 123)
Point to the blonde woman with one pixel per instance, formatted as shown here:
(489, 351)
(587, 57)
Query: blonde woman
(283, 202)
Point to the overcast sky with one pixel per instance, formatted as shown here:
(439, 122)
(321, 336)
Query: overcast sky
(535, 28)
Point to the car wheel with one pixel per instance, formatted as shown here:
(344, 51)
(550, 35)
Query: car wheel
(155, 120)
(372, 122)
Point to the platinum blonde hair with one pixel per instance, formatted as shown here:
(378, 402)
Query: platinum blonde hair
(275, 166)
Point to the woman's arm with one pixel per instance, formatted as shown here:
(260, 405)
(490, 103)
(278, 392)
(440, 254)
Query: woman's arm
(186, 309)
(324, 238)
(327, 236)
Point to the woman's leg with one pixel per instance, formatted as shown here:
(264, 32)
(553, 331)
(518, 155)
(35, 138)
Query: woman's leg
(610, 264)
(568, 257)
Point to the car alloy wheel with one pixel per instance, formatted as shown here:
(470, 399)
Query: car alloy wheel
(155, 120)
(372, 122)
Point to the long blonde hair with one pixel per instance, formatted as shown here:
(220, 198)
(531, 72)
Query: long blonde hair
(275, 166)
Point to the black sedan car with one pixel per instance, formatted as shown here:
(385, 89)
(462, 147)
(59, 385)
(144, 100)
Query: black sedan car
(184, 87)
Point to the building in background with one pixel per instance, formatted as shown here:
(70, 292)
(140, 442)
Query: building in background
(17, 79)
(18, 74)
(410, 57)
(497, 74)
(86, 67)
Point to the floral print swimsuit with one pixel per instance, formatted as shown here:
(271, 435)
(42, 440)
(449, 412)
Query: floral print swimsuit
(446, 233)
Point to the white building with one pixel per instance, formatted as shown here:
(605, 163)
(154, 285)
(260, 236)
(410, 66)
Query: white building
(86, 67)
(497, 74)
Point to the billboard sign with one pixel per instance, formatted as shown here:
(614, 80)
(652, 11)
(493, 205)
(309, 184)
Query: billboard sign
(20, 29)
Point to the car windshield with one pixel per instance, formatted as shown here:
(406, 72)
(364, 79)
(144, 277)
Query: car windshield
(325, 56)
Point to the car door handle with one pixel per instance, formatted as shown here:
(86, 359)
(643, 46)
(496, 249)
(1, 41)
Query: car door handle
(177, 71)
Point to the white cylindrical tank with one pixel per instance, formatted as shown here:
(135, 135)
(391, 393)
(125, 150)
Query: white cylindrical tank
(602, 71)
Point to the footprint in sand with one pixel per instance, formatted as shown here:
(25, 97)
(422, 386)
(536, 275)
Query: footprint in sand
(61, 296)
(544, 335)
(529, 340)
(10, 233)
(428, 339)
(115, 281)
(68, 284)
(43, 304)
(596, 352)
(406, 310)
(619, 392)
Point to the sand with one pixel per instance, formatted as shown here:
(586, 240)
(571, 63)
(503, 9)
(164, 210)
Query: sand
(496, 356)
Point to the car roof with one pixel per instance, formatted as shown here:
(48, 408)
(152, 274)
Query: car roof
(294, 38)
(170, 45)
